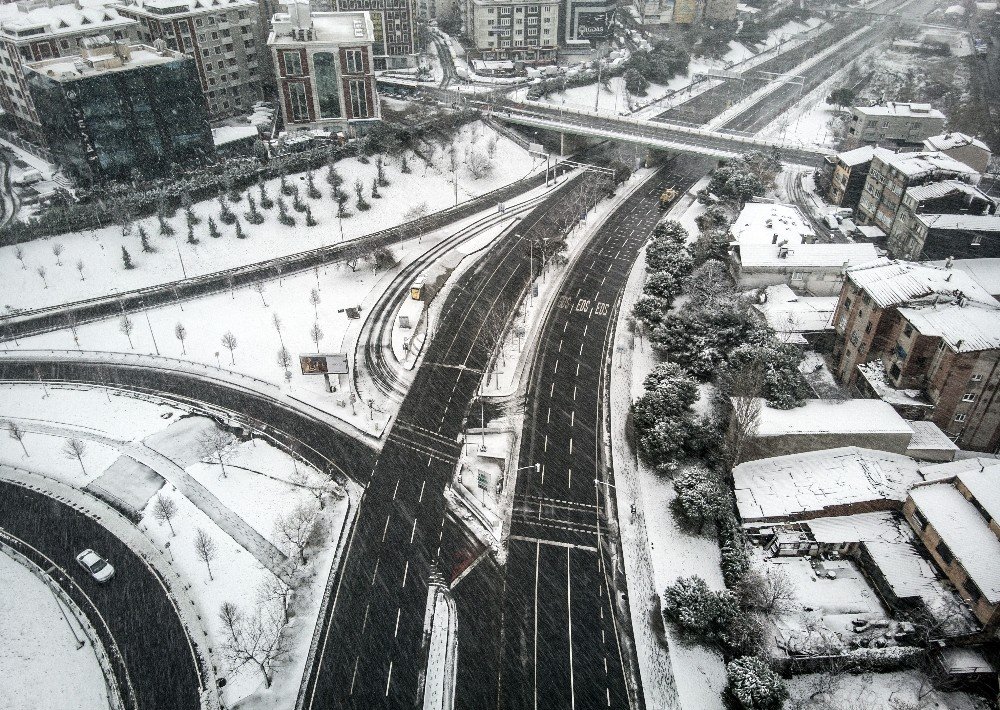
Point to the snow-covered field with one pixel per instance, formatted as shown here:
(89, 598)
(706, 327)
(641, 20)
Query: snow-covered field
(100, 251)
(40, 665)
(868, 691)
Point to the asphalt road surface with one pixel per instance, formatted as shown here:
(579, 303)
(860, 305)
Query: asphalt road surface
(554, 603)
(372, 650)
(139, 616)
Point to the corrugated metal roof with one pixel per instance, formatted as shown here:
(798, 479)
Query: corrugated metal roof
(966, 329)
(916, 164)
(948, 141)
(972, 222)
(891, 283)
(945, 187)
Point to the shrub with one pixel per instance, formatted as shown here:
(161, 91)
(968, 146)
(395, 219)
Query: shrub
(754, 686)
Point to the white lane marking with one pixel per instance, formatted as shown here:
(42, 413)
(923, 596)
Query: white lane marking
(569, 478)
(422, 484)
(538, 555)
(546, 445)
(556, 368)
(388, 681)
(354, 675)
(543, 474)
(585, 326)
(549, 417)
(395, 490)
(413, 532)
(375, 573)
(581, 350)
(578, 369)
(572, 417)
(364, 622)
(386, 528)
(574, 393)
(405, 572)
(398, 613)
(571, 446)
(560, 345)
(569, 618)
(552, 389)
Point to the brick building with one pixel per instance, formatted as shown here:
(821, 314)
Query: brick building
(324, 67)
(891, 175)
(37, 31)
(223, 37)
(850, 171)
(927, 210)
(934, 331)
(958, 520)
(965, 236)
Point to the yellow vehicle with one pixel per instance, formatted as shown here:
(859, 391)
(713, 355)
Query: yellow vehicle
(668, 196)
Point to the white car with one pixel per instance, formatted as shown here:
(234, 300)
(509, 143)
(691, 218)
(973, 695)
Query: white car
(98, 567)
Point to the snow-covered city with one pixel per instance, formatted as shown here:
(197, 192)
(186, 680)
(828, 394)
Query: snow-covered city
(510, 354)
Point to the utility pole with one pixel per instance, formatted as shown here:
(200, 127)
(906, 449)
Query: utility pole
(145, 312)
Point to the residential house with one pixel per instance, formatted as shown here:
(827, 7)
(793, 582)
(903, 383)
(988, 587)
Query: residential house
(324, 67)
(223, 37)
(850, 172)
(771, 223)
(894, 123)
(928, 211)
(120, 109)
(890, 176)
(965, 149)
(36, 31)
(935, 332)
(958, 520)
(814, 269)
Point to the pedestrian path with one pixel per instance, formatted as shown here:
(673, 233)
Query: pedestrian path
(232, 524)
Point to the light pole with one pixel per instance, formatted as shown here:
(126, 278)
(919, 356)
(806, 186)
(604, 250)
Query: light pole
(145, 312)
(49, 581)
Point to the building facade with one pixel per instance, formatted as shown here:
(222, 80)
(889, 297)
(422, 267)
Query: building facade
(223, 37)
(916, 217)
(395, 30)
(892, 174)
(897, 123)
(966, 149)
(45, 30)
(324, 67)
(119, 109)
(850, 171)
(505, 30)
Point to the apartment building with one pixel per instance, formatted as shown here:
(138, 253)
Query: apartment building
(505, 30)
(324, 67)
(37, 31)
(120, 108)
(223, 37)
(891, 175)
(966, 149)
(894, 123)
(395, 27)
(850, 171)
(958, 520)
(932, 330)
(942, 219)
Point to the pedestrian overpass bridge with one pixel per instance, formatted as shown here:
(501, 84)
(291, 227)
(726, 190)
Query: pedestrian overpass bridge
(662, 136)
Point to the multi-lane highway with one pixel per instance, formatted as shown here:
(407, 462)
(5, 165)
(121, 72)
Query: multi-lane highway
(371, 652)
(549, 630)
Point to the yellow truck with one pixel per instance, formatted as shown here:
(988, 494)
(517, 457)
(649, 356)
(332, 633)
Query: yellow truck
(668, 196)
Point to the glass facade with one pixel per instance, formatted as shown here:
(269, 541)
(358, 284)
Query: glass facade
(103, 126)
(327, 86)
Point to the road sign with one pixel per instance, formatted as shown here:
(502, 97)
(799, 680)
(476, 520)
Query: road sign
(482, 480)
(320, 364)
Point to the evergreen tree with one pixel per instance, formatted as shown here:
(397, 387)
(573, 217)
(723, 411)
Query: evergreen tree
(226, 214)
(310, 220)
(191, 238)
(297, 204)
(404, 165)
(285, 187)
(144, 240)
(266, 202)
(253, 216)
(165, 229)
(213, 229)
(380, 172)
(754, 686)
(191, 217)
(311, 190)
(240, 234)
(127, 259)
(375, 194)
(283, 216)
(333, 178)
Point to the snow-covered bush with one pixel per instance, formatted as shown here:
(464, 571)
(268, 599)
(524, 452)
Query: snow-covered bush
(701, 612)
(700, 499)
(754, 685)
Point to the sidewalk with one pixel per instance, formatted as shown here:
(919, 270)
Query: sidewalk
(232, 524)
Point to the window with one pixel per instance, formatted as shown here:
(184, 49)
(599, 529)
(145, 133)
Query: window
(359, 100)
(215, 35)
(945, 552)
(908, 330)
(959, 418)
(299, 102)
(355, 61)
(973, 591)
(326, 84)
(199, 22)
(293, 62)
(969, 397)
(977, 378)
(919, 517)
(868, 328)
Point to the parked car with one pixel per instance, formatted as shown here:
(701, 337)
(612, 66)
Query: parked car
(98, 567)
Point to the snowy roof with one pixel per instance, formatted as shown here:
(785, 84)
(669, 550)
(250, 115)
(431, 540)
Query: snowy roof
(983, 485)
(925, 163)
(970, 222)
(985, 272)
(858, 156)
(833, 416)
(63, 19)
(328, 27)
(933, 190)
(928, 436)
(228, 134)
(896, 108)
(939, 471)
(175, 7)
(862, 527)
(948, 141)
(966, 533)
(890, 283)
(874, 374)
(966, 329)
(766, 223)
(870, 231)
(906, 572)
(72, 68)
(962, 659)
(803, 256)
(787, 312)
(800, 484)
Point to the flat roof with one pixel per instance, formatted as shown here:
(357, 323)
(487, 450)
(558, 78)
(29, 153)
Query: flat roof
(897, 108)
(62, 19)
(969, 222)
(328, 27)
(787, 312)
(799, 486)
(763, 222)
(806, 255)
(927, 436)
(945, 187)
(832, 416)
(925, 163)
(985, 272)
(949, 141)
(73, 68)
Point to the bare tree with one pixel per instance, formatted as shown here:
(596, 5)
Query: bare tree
(284, 358)
(314, 301)
(40, 270)
(164, 509)
(744, 420)
(229, 343)
(319, 489)
(126, 326)
(17, 434)
(299, 528)
(75, 449)
(770, 592)
(79, 267)
(205, 549)
(276, 320)
(279, 589)
(57, 250)
(316, 333)
(180, 332)
(216, 445)
(19, 255)
(254, 640)
(480, 165)
(258, 286)
(353, 254)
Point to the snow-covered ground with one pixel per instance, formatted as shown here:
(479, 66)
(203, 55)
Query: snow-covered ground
(40, 664)
(100, 250)
(868, 691)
